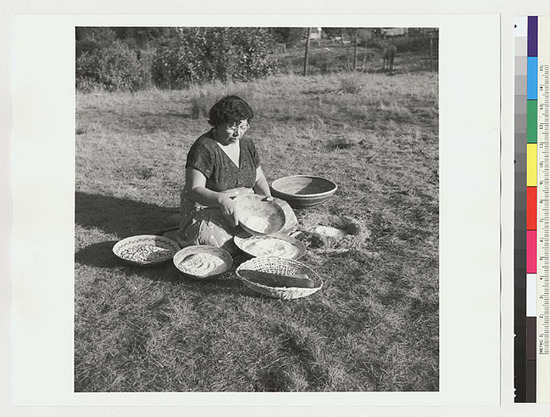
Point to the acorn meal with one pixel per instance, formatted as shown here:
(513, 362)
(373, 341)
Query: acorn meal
(146, 253)
(202, 264)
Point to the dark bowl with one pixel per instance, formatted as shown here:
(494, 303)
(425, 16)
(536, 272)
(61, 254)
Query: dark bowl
(302, 191)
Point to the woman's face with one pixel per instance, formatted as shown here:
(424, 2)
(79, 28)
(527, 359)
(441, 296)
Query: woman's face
(227, 134)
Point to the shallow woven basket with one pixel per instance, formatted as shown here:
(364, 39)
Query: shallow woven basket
(244, 243)
(250, 206)
(280, 266)
(145, 240)
(302, 191)
(196, 249)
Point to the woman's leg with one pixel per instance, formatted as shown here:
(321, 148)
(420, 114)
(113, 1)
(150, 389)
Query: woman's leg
(207, 226)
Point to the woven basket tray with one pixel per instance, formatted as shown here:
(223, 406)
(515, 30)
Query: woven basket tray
(258, 216)
(247, 245)
(125, 247)
(280, 266)
(223, 256)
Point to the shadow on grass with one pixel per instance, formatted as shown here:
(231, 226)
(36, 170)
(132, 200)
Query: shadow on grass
(99, 255)
(227, 283)
(219, 284)
(122, 217)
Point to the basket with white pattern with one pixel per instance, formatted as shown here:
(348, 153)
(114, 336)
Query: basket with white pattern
(279, 277)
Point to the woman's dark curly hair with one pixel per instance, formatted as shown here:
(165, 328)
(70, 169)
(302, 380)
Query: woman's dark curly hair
(230, 110)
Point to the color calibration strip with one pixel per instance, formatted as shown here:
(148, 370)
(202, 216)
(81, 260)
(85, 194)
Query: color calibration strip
(532, 209)
(520, 205)
(531, 233)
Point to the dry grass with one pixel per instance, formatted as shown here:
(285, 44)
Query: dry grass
(374, 325)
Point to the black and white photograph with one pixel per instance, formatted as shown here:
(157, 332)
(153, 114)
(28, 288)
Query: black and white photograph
(256, 209)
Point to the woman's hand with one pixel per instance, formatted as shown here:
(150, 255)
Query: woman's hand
(227, 206)
(234, 192)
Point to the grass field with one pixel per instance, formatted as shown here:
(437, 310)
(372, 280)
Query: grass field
(375, 324)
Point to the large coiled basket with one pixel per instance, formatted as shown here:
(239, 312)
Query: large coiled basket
(280, 266)
(140, 241)
(303, 191)
(219, 253)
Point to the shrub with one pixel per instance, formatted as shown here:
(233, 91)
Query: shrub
(288, 36)
(113, 68)
(87, 45)
(200, 55)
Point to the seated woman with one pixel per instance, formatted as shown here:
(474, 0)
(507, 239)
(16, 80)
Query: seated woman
(222, 164)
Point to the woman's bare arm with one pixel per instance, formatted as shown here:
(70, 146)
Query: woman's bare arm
(195, 183)
(261, 186)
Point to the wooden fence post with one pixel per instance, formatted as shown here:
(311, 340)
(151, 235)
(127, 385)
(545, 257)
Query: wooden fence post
(355, 50)
(307, 51)
(431, 53)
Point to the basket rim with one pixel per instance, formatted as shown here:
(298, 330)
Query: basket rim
(222, 254)
(317, 277)
(304, 196)
(305, 290)
(152, 237)
(285, 293)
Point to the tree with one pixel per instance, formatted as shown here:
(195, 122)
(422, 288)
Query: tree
(332, 32)
(114, 68)
(202, 54)
(90, 39)
(102, 35)
(288, 36)
(139, 37)
(365, 35)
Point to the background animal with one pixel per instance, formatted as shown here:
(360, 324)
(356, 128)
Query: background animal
(388, 56)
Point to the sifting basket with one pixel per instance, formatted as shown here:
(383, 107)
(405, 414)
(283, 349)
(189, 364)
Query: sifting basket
(259, 216)
(145, 250)
(279, 266)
